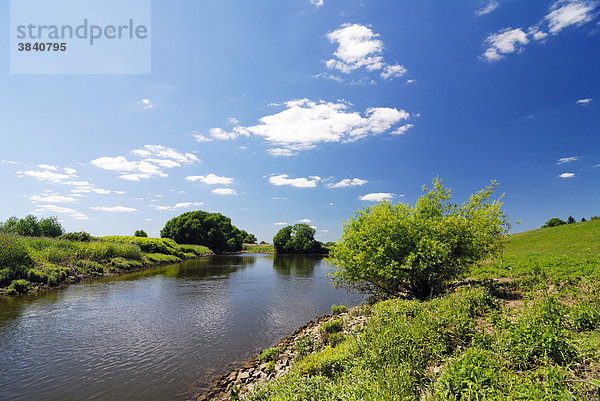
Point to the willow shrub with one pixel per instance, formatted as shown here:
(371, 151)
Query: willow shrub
(401, 249)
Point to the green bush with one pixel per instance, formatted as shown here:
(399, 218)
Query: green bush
(19, 286)
(36, 276)
(162, 258)
(14, 258)
(140, 233)
(398, 249)
(80, 236)
(554, 222)
(299, 238)
(304, 346)
(336, 310)
(150, 245)
(29, 226)
(270, 354)
(332, 326)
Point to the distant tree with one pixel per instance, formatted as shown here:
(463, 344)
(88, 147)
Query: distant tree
(140, 233)
(583, 219)
(263, 242)
(299, 238)
(594, 217)
(554, 222)
(209, 229)
(28, 226)
(571, 220)
(250, 239)
(51, 227)
(9, 225)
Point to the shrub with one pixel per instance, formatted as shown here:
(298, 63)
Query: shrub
(332, 326)
(78, 236)
(19, 286)
(554, 222)
(304, 346)
(29, 226)
(140, 233)
(14, 258)
(50, 227)
(393, 249)
(336, 310)
(36, 276)
(270, 354)
(150, 245)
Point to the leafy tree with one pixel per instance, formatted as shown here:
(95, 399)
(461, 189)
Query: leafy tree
(140, 233)
(51, 227)
(571, 220)
(250, 239)
(299, 238)
(397, 249)
(554, 222)
(594, 217)
(28, 226)
(583, 219)
(209, 229)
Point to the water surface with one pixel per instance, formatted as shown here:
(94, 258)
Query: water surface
(158, 334)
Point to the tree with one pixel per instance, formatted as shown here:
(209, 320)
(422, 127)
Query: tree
(299, 238)
(50, 227)
(571, 220)
(554, 222)
(209, 229)
(390, 250)
(140, 233)
(250, 239)
(29, 226)
(583, 219)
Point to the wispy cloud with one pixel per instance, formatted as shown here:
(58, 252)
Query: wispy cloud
(181, 205)
(53, 199)
(348, 182)
(317, 3)
(305, 221)
(281, 223)
(146, 104)
(566, 175)
(564, 160)
(224, 191)
(377, 196)
(584, 101)
(200, 137)
(210, 179)
(155, 158)
(487, 9)
(283, 179)
(565, 13)
(504, 42)
(115, 209)
(61, 211)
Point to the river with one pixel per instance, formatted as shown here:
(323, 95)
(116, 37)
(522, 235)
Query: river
(158, 334)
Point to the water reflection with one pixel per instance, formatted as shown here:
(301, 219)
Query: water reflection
(296, 265)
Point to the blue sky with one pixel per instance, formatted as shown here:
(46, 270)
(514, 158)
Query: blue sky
(275, 112)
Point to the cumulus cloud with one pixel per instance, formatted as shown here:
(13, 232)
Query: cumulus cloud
(283, 179)
(402, 130)
(58, 210)
(504, 42)
(561, 14)
(224, 191)
(145, 103)
(53, 198)
(317, 3)
(348, 182)
(487, 9)
(115, 209)
(564, 160)
(210, 179)
(155, 158)
(200, 137)
(377, 196)
(64, 176)
(566, 175)
(305, 123)
(359, 47)
(584, 101)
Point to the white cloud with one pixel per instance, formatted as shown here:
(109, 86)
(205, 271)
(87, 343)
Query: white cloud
(317, 3)
(181, 205)
(402, 130)
(53, 199)
(155, 159)
(145, 103)
(566, 175)
(504, 42)
(115, 209)
(326, 75)
(324, 231)
(358, 47)
(567, 159)
(565, 13)
(283, 179)
(224, 191)
(61, 211)
(200, 137)
(313, 227)
(210, 179)
(305, 123)
(223, 135)
(348, 182)
(584, 101)
(46, 175)
(491, 6)
(9, 161)
(377, 196)
(411, 81)
(281, 223)
(306, 221)
(48, 167)
(393, 71)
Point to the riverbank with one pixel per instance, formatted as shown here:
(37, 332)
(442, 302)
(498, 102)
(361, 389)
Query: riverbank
(33, 264)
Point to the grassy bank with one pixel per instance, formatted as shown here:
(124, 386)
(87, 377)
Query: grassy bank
(533, 335)
(33, 263)
(258, 248)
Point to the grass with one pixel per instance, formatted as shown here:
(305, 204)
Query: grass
(533, 336)
(258, 248)
(32, 263)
